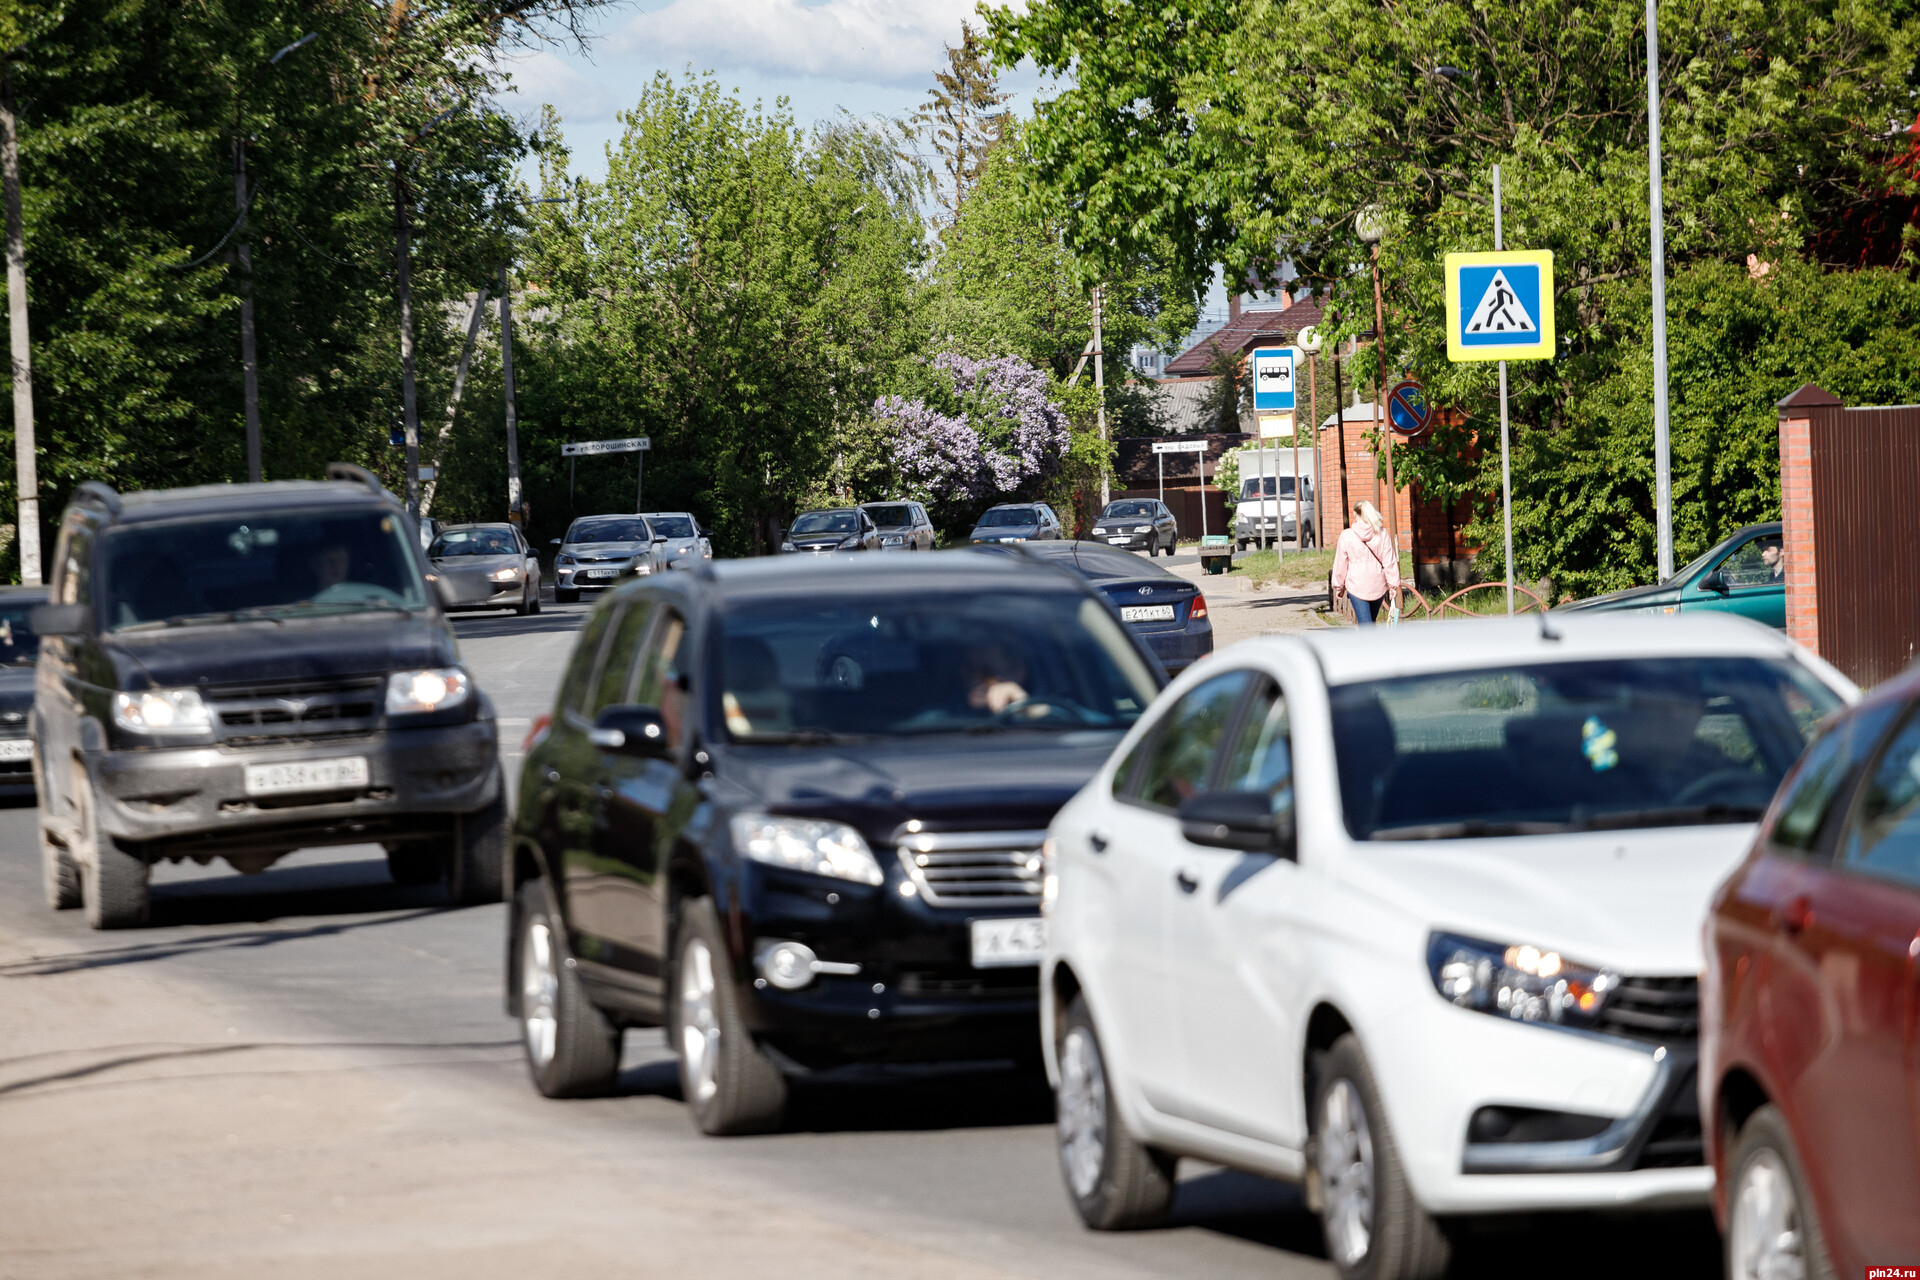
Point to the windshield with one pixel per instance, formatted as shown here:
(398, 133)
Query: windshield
(826, 522)
(1570, 746)
(672, 526)
(260, 566)
(19, 646)
(610, 529)
(1269, 486)
(1128, 511)
(891, 516)
(473, 542)
(1008, 517)
(801, 669)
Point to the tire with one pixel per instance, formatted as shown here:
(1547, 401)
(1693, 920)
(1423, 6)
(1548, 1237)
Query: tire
(1375, 1228)
(113, 882)
(565, 595)
(416, 862)
(534, 607)
(58, 874)
(572, 1050)
(731, 1087)
(525, 606)
(1115, 1183)
(1772, 1229)
(475, 871)
(1243, 544)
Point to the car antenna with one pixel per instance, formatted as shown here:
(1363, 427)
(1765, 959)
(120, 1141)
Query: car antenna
(1547, 632)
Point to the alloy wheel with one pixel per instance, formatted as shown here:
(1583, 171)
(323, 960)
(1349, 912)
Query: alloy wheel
(1346, 1173)
(699, 1023)
(539, 992)
(1765, 1239)
(1081, 1111)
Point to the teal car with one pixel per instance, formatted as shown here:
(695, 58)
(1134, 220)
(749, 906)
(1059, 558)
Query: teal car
(1744, 574)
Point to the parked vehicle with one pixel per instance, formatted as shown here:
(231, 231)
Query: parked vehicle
(1017, 522)
(1165, 611)
(1810, 1035)
(1745, 574)
(687, 543)
(1138, 524)
(486, 566)
(834, 529)
(903, 526)
(794, 813)
(604, 551)
(240, 671)
(1266, 504)
(19, 647)
(1414, 921)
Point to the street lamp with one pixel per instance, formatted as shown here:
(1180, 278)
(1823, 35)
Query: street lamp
(1370, 225)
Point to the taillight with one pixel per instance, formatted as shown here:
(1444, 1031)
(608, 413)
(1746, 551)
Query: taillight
(539, 730)
(1199, 608)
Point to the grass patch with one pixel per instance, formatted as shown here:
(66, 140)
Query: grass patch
(1297, 568)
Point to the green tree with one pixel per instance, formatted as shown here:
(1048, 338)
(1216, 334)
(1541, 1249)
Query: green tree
(962, 115)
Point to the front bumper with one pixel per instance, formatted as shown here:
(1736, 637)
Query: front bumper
(581, 577)
(1248, 527)
(509, 595)
(185, 800)
(1140, 541)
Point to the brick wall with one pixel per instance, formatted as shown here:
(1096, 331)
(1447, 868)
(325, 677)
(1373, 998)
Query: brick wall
(1796, 515)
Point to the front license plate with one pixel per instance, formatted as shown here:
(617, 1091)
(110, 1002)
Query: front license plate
(1119, 542)
(16, 749)
(999, 944)
(1146, 613)
(603, 573)
(306, 775)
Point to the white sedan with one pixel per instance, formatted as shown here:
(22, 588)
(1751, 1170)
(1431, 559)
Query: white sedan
(1412, 917)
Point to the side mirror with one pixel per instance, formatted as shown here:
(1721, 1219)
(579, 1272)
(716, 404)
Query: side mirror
(554, 543)
(61, 619)
(632, 730)
(1248, 821)
(1715, 583)
(659, 538)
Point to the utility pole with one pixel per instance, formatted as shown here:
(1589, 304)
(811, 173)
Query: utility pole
(1340, 427)
(513, 415)
(1380, 406)
(26, 467)
(432, 486)
(243, 254)
(1662, 455)
(1100, 408)
(402, 232)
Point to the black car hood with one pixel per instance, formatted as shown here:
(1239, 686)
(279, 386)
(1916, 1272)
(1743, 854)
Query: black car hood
(1002, 782)
(16, 688)
(820, 539)
(323, 648)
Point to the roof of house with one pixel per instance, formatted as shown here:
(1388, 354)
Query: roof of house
(1248, 329)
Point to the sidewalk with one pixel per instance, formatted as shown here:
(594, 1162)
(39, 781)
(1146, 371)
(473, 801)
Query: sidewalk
(1240, 611)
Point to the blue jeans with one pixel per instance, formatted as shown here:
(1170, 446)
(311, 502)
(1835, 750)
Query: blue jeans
(1367, 612)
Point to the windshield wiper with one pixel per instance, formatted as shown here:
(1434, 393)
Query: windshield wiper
(1685, 815)
(203, 619)
(1467, 829)
(801, 738)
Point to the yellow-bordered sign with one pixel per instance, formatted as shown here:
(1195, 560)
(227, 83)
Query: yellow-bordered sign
(1500, 305)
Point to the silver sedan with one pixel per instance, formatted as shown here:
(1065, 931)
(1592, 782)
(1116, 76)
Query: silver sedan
(486, 566)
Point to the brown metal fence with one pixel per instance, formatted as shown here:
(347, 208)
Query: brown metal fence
(1865, 467)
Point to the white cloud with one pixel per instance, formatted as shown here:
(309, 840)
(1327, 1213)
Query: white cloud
(890, 42)
(544, 76)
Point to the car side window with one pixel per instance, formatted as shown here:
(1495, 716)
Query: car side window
(585, 666)
(615, 674)
(1261, 757)
(1883, 840)
(1751, 567)
(658, 668)
(1819, 780)
(1181, 760)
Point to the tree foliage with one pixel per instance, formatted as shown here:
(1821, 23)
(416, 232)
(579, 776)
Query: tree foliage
(963, 115)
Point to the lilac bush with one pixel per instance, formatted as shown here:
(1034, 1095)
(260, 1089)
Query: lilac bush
(1007, 437)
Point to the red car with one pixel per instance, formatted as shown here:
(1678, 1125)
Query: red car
(1810, 1010)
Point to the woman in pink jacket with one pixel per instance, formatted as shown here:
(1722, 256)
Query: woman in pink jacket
(1366, 567)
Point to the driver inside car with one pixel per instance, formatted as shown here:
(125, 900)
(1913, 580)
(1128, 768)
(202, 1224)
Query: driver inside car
(993, 678)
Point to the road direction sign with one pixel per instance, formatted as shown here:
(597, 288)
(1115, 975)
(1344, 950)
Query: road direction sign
(1408, 410)
(1180, 446)
(1273, 378)
(585, 448)
(1500, 305)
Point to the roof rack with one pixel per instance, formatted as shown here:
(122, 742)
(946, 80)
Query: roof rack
(98, 493)
(349, 472)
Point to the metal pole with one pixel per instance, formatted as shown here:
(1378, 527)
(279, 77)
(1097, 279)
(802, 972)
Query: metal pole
(640, 482)
(249, 363)
(1662, 460)
(401, 233)
(1160, 465)
(1313, 413)
(1260, 487)
(1100, 400)
(1380, 407)
(1340, 428)
(514, 496)
(26, 465)
(1506, 465)
(1202, 456)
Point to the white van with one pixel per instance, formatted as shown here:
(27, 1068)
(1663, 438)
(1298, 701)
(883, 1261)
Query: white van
(1269, 500)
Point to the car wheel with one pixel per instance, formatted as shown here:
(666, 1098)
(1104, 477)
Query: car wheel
(563, 595)
(1772, 1233)
(572, 1050)
(533, 606)
(480, 851)
(113, 883)
(730, 1086)
(58, 874)
(1375, 1229)
(1116, 1183)
(415, 862)
(527, 597)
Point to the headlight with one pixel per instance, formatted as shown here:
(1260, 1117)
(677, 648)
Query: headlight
(1521, 982)
(505, 575)
(563, 558)
(788, 546)
(644, 568)
(1142, 528)
(892, 541)
(161, 711)
(435, 689)
(848, 543)
(822, 848)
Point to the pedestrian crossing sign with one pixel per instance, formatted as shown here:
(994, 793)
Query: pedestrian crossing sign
(1500, 305)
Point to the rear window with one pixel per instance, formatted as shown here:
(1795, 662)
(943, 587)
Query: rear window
(1571, 746)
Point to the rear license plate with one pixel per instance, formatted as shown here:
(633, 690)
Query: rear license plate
(1146, 613)
(999, 944)
(603, 573)
(306, 775)
(16, 749)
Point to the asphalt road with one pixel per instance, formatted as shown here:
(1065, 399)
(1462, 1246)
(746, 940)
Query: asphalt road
(323, 951)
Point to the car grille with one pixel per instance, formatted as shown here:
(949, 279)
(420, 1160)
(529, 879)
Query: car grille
(1656, 1010)
(974, 868)
(306, 709)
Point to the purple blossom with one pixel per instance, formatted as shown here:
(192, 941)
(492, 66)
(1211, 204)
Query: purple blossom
(1008, 437)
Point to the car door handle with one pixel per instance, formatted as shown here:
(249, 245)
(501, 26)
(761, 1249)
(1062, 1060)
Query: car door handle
(1794, 916)
(1097, 840)
(1186, 882)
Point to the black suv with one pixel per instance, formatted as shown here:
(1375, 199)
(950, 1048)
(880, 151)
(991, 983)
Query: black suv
(795, 814)
(244, 670)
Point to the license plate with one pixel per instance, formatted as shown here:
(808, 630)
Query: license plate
(999, 944)
(1119, 541)
(1146, 613)
(603, 573)
(306, 775)
(16, 749)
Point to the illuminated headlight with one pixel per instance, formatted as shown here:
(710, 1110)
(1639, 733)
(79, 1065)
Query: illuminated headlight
(1049, 878)
(162, 711)
(435, 689)
(1522, 982)
(800, 844)
(643, 568)
(505, 575)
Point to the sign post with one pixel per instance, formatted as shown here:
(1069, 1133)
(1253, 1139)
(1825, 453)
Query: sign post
(1500, 307)
(1310, 342)
(592, 448)
(1163, 447)
(1273, 402)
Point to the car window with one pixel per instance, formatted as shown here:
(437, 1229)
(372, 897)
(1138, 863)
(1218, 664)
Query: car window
(615, 673)
(614, 529)
(473, 542)
(1883, 839)
(1261, 758)
(1821, 777)
(1758, 563)
(658, 667)
(671, 526)
(584, 666)
(1188, 742)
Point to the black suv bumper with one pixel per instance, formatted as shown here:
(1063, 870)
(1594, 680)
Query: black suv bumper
(194, 799)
